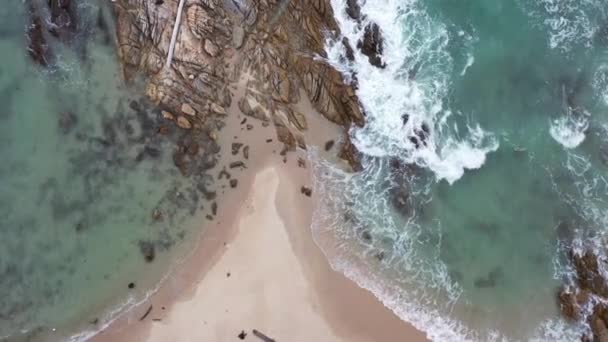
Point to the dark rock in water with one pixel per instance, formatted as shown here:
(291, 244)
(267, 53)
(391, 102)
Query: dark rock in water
(152, 152)
(489, 281)
(134, 105)
(236, 147)
(63, 17)
(214, 208)
(350, 153)
(179, 160)
(353, 9)
(131, 285)
(103, 27)
(366, 235)
(191, 148)
(405, 118)
(329, 144)
(350, 53)
(234, 183)
(306, 191)
(414, 141)
(589, 274)
(148, 250)
(80, 226)
(372, 45)
(571, 303)
(400, 199)
(37, 48)
(157, 215)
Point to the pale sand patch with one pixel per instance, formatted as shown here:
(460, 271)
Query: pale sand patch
(266, 290)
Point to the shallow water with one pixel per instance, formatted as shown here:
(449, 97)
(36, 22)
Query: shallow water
(514, 93)
(82, 174)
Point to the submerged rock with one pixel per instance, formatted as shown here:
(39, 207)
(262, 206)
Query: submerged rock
(148, 250)
(67, 121)
(38, 48)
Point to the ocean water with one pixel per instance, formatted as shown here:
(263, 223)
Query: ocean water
(465, 235)
(82, 173)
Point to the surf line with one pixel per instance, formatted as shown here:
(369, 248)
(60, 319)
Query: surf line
(178, 19)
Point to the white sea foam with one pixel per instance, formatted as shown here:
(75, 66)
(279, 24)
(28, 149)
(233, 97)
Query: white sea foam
(600, 83)
(569, 23)
(418, 291)
(413, 84)
(569, 130)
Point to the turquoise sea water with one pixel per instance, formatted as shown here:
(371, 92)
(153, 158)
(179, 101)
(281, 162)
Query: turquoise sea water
(77, 199)
(465, 237)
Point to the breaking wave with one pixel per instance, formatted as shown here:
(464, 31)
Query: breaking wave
(407, 97)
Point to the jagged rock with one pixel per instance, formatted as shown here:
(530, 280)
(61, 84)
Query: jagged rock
(182, 122)
(188, 110)
(372, 45)
(199, 21)
(285, 40)
(217, 109)
(589, 275)
(63, 18)
(286, 137)
(256, 112)
(211, 48)
(353, 9)
(38, 48)
(298, 119)
(350, 154)
(350, 53)
(167, 116)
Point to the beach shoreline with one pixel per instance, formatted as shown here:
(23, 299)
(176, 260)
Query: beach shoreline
(300, 296)
(336, 308)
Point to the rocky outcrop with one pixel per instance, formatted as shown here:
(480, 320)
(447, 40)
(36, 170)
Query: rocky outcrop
(586, 298)
(49, 20)
(372, 45)
(277, 43)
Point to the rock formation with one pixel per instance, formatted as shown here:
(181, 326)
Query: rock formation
(49, 20)
(279, 44)
(586, 298)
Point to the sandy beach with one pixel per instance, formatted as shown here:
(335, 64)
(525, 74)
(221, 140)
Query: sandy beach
(263, 273)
